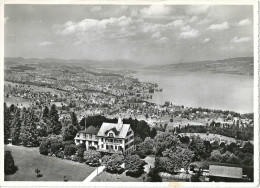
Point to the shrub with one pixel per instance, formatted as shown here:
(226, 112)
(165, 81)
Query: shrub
(233, 159)
(92, 148)
(70, 150)
(56, 147)
(113, 163)
(44, 147)
(153, 176)
(140, 153)
(92, 157)
(60, 154)
(9, 166)
(134, 165)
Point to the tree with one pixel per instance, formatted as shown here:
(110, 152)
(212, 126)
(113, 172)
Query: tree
(198, 147)
(215, 156)
(69, 133)
(37, 171)
(153, 132)
(55, 125)
(248, 148)
(7, 124)
(134, 165)
(45, 113)
(16, 124)
(163, 141)
(9, 166)
(74, 121)
(92, 157)
(177, 158)
(147, 146)
(248, 159)
(137, 140)
(29, 133)
(233, 159)
(226, 156)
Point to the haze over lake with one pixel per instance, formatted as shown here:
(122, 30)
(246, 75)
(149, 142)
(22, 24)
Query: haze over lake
(214, 91)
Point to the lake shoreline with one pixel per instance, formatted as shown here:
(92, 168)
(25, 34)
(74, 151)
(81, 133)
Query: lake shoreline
(217, 95)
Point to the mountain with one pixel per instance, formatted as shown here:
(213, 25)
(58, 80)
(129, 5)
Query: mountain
(110, 64)
(239, 65)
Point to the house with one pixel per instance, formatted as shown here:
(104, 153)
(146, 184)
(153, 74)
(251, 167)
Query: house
(110, 138)
(116, 138)
(87, 137)
(225, 173)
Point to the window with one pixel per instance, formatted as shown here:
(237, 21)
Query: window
(106, 146)
(84, 135)
(78, 135)
(115, 147)
(111, 135)
(90, 136)
(102, 146)
(102, 139)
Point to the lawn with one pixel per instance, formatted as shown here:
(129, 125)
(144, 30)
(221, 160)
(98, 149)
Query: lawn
(52, 168)
(108, 177)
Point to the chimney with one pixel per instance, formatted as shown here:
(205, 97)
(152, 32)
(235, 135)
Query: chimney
(120, 121)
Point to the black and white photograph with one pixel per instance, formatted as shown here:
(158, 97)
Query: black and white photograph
(130, 93)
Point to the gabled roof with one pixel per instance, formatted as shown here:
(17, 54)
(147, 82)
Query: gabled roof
(226, 171)
(120, 130)
(90, 130)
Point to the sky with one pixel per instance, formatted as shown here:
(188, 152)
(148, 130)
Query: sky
(146, 34)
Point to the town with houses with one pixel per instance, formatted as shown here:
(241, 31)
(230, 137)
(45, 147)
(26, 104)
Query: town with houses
(104, 120)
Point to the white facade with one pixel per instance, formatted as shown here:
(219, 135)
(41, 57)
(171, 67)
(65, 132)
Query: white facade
(110, 138)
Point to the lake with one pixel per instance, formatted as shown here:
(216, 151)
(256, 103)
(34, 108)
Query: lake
(206, 90)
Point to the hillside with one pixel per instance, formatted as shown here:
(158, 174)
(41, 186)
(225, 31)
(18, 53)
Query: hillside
(240, 65)
(109, 64)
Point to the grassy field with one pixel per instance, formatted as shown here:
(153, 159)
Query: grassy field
(35, 88)
(18, 101)
(52, 168)
(108, 177)
(211, 136)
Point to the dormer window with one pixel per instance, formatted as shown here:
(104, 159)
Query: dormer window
(111, 135)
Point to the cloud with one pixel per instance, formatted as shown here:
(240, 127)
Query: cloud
(193, 19)
(192, 33)
(162, 40)
(95, 9)
(155, 10)
(156, 35)
(153, 27)
(94, 25)
(204, 21)
(206, 40)
(177, 23)
(240, 40)
(186, 28)
(45, 43)
(6, 19)
(197, 9)
(219, 27)
(244, 22)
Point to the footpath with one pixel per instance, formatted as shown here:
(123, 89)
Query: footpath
(96, 172)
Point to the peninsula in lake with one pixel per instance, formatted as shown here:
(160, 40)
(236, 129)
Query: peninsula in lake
(239, 65)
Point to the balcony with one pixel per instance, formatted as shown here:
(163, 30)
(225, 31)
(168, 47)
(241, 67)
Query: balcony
(110, 151)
